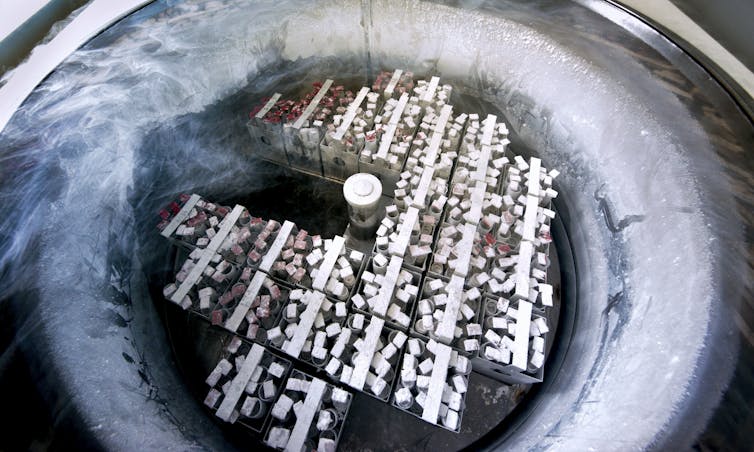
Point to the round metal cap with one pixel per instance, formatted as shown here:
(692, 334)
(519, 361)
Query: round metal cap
(362, 190)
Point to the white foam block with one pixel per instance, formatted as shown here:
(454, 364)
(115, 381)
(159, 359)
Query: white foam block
(305, 323)
(328, 263)
(313, 104)
(521, 340)
(245, 304)
(277, 246)
(445, 330)
(181, 216)
(363, 361)
(268, 106)
(436, 383)
(305, 416)
(239, 382)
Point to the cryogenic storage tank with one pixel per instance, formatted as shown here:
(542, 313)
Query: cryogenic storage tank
(651, 347)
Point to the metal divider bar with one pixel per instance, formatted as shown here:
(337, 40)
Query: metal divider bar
(480, 174)
(477, 199)
(239, 382)
(439, 132)
(305, 323)
(489, 129)
(392, 124)
(431, 89)
(388, 285)
(393, 82)
(398, 247)
(305, 416)
(328, 263)
(268, 106)
(436, 383)
(464, 248)
(180, 216)
(364, 359)
(350, 114)
(210, 251)
(521, 340)
(418, 200)
(245, 304)
(277, 246)
(312, 105)
(445, 330)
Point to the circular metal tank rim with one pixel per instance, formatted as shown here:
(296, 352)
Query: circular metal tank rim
(678, 28)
